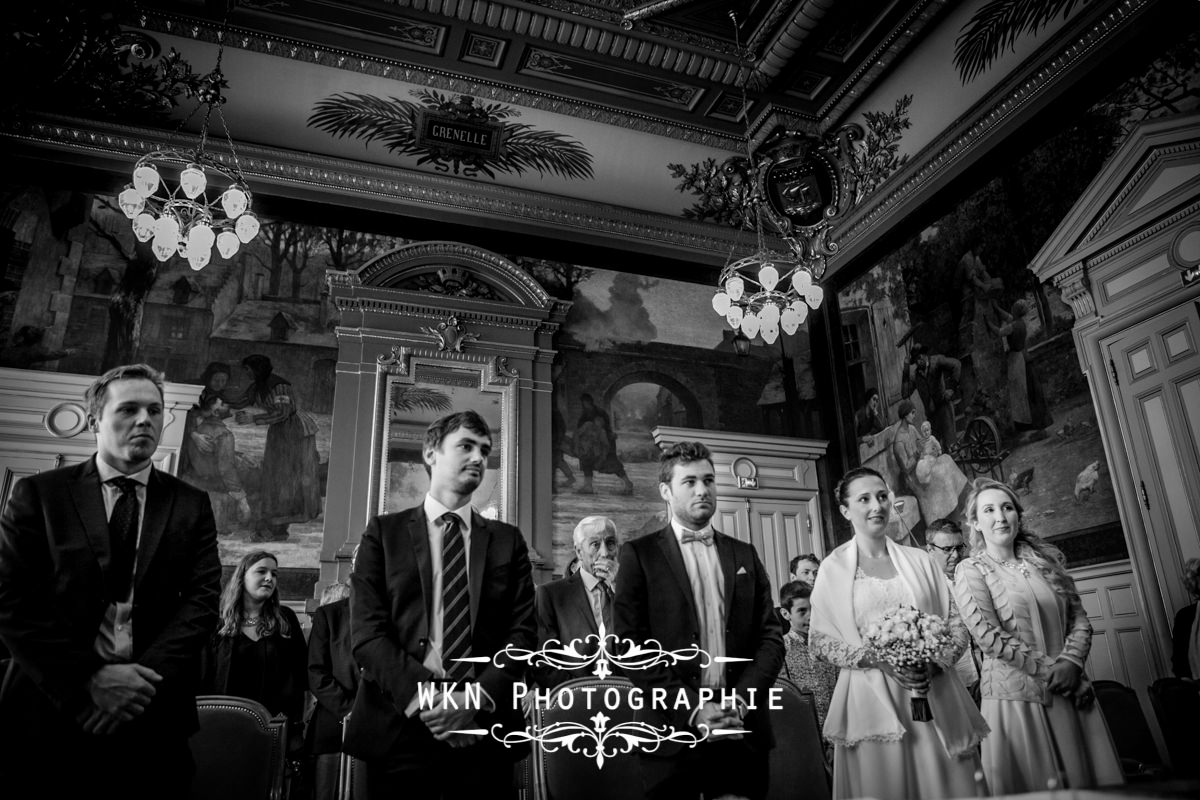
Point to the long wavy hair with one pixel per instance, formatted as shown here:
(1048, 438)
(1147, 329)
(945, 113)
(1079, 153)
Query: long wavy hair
(1047, 559)
(233, 601)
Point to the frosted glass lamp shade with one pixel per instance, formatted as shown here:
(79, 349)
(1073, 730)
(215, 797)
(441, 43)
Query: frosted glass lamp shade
(143, 227)
(769, 314)
(228, 244)
(735, 287)
(234, 202)
(769, 333)
(734, 316)
(751, 325)
(801, 280)
(721, 303)
(145, 180)
(201, 237)
(246, 227)
(131, 202)
(192, 181)
(768, 276)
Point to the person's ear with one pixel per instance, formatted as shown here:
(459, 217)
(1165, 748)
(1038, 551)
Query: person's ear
(93, 424)
(664, 491)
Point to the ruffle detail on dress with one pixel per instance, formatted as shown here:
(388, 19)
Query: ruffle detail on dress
(875, 737)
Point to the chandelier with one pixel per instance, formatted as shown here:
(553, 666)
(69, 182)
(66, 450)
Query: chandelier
(209, 204)
(796, 183)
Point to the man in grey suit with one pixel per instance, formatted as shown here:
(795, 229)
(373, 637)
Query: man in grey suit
(417, 610)
(109, 578)
(573, 608)
(688, 585)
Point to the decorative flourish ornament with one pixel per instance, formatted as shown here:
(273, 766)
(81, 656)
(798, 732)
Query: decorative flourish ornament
(450, 335)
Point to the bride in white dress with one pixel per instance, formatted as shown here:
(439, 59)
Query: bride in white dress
(879, 751)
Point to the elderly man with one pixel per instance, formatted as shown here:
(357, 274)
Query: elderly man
(944, 542)
(575, 607)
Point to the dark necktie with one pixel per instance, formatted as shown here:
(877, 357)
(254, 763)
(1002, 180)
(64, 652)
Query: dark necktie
(122, 535)
(606, 604)
(456, 601)
(703, 537)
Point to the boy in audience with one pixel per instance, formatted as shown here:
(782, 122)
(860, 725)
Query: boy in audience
(799, 666)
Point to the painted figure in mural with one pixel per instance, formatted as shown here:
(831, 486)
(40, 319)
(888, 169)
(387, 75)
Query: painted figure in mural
(978, 292)
(689, 585)
(212, 463)
(289, 483)
(596, 447)
(879, 749)
(25, 349)
(88, 553)
(905, 450)
(215, 381)
(930, 376)
(868, 420)
(1026, 401)
(1025, 614)
(925, 471)
(558, 433)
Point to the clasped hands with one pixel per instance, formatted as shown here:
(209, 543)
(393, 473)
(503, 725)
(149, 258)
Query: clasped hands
(118, 692)
(712, 716)
(1066, 678)
(454, 714)
(915, 679)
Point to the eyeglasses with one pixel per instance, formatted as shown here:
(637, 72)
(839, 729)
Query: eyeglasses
(954, 548)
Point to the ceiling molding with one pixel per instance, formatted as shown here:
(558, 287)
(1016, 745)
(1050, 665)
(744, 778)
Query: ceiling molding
(276, 172)
(997, 116)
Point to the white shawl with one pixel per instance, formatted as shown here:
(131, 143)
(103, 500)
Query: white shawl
(862, 708)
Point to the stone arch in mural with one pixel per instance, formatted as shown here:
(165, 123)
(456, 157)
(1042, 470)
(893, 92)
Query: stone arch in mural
(693, 417)
(454, 269)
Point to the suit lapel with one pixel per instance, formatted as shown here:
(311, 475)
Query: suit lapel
(418, 534)
(158, 508)
(89, 503)
(582, 603)
(477, 558)
(728, 562)
(670, 548)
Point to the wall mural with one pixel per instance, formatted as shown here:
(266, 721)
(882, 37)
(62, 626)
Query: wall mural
(635, 353)
(454, 133)
(961, 364)
(79, 294)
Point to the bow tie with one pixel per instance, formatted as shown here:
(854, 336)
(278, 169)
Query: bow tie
(703, 537)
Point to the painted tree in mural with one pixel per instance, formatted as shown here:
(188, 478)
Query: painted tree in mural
(290, 249)
(396, 125)
(559, 279)
(128, 299)
(347, 250)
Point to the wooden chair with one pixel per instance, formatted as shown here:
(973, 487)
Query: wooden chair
(563, 775)
(1176, 704)
(797, 762)
(1131, 734)
(239, 750)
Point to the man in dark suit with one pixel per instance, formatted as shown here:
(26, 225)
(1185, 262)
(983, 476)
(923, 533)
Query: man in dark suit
(109, 579)
(573, 608)
(688, 585)
(333, 680)
(411, 627)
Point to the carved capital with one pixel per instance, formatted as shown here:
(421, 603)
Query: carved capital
(1076, 289)
(395, 362)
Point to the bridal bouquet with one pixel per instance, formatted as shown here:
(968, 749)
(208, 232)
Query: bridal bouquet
(907, 637)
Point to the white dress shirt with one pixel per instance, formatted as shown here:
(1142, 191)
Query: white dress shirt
(708, 590)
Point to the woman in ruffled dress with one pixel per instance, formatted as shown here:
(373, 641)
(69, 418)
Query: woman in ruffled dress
(879, 750)
(1022, 609)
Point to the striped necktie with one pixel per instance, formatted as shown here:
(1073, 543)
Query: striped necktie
(456, 601)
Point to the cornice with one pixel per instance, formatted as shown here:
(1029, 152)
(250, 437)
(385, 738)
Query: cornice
(1134, 181)
(983, 123)
(1187, 212)
(592, 40)
(426, 195)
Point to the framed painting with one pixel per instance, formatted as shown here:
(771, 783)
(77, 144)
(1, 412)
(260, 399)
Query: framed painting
(429, 390)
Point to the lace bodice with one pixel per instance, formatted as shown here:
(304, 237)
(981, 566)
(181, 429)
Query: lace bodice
(873, 597)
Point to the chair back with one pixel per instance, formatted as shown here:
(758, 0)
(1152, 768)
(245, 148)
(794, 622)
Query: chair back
(239, 750)
(1130, 730)
(797, 762)
(563, 775)
(1176, 704)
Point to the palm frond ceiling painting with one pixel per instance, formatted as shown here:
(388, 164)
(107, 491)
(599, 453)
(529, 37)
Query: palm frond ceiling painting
(458, 134)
